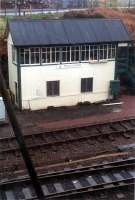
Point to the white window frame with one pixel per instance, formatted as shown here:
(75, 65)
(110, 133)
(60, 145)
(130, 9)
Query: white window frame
(92, 49)
(103, 49)
(35, 52)
(85, 50)
(74, 61)
(111, 47)
(66, 52)
(50, 48)
(29, 50)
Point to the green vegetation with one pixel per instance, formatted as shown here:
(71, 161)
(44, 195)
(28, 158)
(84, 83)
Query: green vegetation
(2, 26)
(3, 20)
(45, 16)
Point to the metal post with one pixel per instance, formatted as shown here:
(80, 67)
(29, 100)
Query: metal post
(19, 137)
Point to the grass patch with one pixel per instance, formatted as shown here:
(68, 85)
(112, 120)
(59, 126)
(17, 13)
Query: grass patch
(2, 26)
(46, 16)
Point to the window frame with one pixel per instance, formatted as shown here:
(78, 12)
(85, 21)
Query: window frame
(94, 48)
(50, 50)
(85, 50)
(87, 90)
(111, 48)
(54, 55)
(66, 52)
(75, 46)
(30, 57)
(103, 49)
(53, 94)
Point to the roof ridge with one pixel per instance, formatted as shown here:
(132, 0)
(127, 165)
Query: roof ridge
(63, 19)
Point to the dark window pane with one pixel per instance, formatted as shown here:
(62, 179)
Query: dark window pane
(22, 58)
(86, 84)
(27, 59)
(72, 55)
(53, 55)
(64, 49)
(43, 49)
(83, 55)
(32, 58)
(95, 56)
(89, 84)
(77, 55)
(87, 55)
(52, 88)
(114, 53)
(49, 88)
(57, 56)
(22, 50)
(109, 53)
(37, 57)
(68, 56)
(48, 55)
(43, 57)
(77, 48)
(83, 85)
(64, 56)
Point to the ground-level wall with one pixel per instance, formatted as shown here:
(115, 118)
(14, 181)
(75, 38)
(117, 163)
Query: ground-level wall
(33, 81)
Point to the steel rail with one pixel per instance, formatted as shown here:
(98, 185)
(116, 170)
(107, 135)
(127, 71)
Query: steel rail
(36, 144)
(90, 189)
(116, 165)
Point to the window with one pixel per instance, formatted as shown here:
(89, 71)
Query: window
(52, 88)
(65, 54)
(111, 51)
(55, 55)
(48, 55)
(29, 55)
(25, 56)
(44, 55)
(93, 52)
(51, 55)
(35, 55)
(75, 53)
(14, 55)
(103, 52)
(86, 84)
(84, 53)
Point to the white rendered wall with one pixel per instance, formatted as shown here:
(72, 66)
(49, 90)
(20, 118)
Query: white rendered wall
(34, 79)
(12, 68)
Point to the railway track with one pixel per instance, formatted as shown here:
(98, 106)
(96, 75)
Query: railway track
(50, 139)
(73, 182)
(47, 147)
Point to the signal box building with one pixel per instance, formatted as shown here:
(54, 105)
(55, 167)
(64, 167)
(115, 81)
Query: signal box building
(63, 62)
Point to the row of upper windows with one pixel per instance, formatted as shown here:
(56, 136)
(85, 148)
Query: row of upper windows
(66, 54)
(53, 87)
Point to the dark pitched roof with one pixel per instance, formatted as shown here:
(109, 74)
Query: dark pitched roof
(67, 31)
